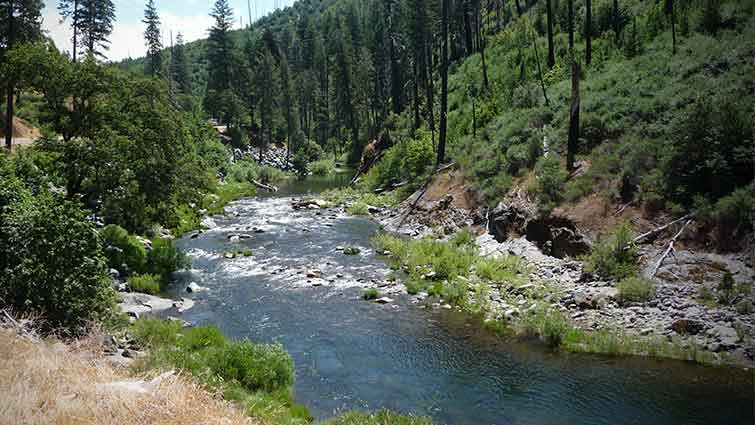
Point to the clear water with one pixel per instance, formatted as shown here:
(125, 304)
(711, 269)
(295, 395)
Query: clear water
(351, 354)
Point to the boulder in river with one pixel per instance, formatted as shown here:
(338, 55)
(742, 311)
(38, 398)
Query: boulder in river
(384, 300)
(194, 287)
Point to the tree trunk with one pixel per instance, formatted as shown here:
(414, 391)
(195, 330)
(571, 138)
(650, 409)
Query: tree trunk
(444, 86)
(616, 21)
(551, 52)
(518, 8)
(75, 27)
(673, 25)
(11, 88)
(481, 44)
(588, 31)
(540, 70)
(430, 91)
(415, 93)
(571, 26)
(573, 117)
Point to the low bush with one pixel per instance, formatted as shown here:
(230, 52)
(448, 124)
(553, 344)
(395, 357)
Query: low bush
(52, 262)
(323, 167)
(383, 417)
(614, 256)
(551, 177)
(145, 283)
(370, 294)
(124, 252)
(358, 209)
(635, 289)
(550, 326)
(165, 258)
(500, 270)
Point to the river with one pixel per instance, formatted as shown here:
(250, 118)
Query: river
(353, 354)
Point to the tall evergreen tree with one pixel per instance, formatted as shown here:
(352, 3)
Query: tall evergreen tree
(220, 51)
(551, 51)
(179, 67)
(444, 86)
(70, 9)
(95, 23)
(588, 32)
(20, 22)
(154, 61)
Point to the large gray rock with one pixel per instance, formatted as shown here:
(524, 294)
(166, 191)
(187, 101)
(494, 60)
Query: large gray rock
(137, 305)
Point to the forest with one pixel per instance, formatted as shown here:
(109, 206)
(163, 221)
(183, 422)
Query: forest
(638, 106)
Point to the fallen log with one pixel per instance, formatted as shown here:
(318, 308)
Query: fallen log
(669, 249)
(265, 186)
(662, 228)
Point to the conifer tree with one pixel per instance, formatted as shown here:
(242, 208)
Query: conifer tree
(154, 61)
(220, 51)
(95, 25)
(70, 9)
(179, 67)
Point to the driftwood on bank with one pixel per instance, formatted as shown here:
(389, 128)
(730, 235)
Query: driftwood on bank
(662, 228)
(267, 187)
(669, 249)
(424, 190)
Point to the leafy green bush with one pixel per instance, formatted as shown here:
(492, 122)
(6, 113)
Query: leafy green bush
(351, 250)
(323, 167)
(500, 270)
(383, 417)
(371, 294)
(164, 258)
(256, 367)
(358, 209)
(145, 283)
(550, 325)
(550, 182)
(407, 160)
(635, 289)
(53, 263)
(614, 256)
(122, 249)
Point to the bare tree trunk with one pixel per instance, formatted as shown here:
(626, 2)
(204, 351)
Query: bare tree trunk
(444, 87)
(551, 51)
(481, 46)
(588, 31)
(430, 90)
(616, 21)
(571, 26)
(518, 8)
(573, 117)
(673, 24)
(540, 70)
(11, 88)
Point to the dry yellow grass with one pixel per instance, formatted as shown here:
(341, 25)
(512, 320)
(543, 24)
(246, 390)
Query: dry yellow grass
(53, 383)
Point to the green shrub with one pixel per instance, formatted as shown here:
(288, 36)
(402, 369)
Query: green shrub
(500, 270)
(198, 338)
(383, 417)
(156, 333)
(744, 307)
(164, 258)
(550, 325)
(53, 263)
(351, 250)
(727, 282)
(358, 209)
(122, 249)
(371, 294)
(256, 367)
(323, 167)
(145, 283)
(550, 182)
(635, 289)
(614, 256)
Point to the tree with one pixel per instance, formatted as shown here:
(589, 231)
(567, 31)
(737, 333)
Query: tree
(70, 9)
(571, 25)
(551, 52)
(616, 21)
(672, 14)
(95, 23)
(179, 67)
(220, 51)
(573, 117)
(20, 22)
(588, 31)
(444, 86)
(154, 61)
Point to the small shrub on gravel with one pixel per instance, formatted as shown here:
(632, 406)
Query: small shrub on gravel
(635, 289)
(614, 256)
(370, 294)
(145, 283)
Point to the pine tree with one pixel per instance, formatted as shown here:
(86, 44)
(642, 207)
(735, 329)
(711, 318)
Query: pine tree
(588, 32)
(71, 9)
(179, 67)
(444, 86)
(154, 61)
(220, 52)
(551, 52)
(95, 24)
(20, 22)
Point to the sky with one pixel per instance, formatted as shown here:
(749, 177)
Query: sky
(190, 17)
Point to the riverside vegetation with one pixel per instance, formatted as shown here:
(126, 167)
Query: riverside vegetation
(645, 105)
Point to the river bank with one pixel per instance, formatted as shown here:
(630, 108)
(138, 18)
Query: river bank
(679, 321)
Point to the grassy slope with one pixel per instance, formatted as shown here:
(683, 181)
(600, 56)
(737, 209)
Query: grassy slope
(629, 104)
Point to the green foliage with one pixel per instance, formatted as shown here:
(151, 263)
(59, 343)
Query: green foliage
(358, 208)
(351, 250)
(408, 160)
(248, 171)
(506, 270)
(124, 252)
(550, 182)
(614, 256)
(256, 367)
(370, 294)
(145, 283)
(382, 417)
(52, 260)
(323, 167)
(550, 325)
(164, 258)
(727, 282)
(635, 289)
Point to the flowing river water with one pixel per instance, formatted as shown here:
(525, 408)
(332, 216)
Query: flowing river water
(353, 354)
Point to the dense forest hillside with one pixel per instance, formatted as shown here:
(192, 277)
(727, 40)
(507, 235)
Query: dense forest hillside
(665, 98)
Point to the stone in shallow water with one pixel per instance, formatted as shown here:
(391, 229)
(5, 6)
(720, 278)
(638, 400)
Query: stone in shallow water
(384, 300)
